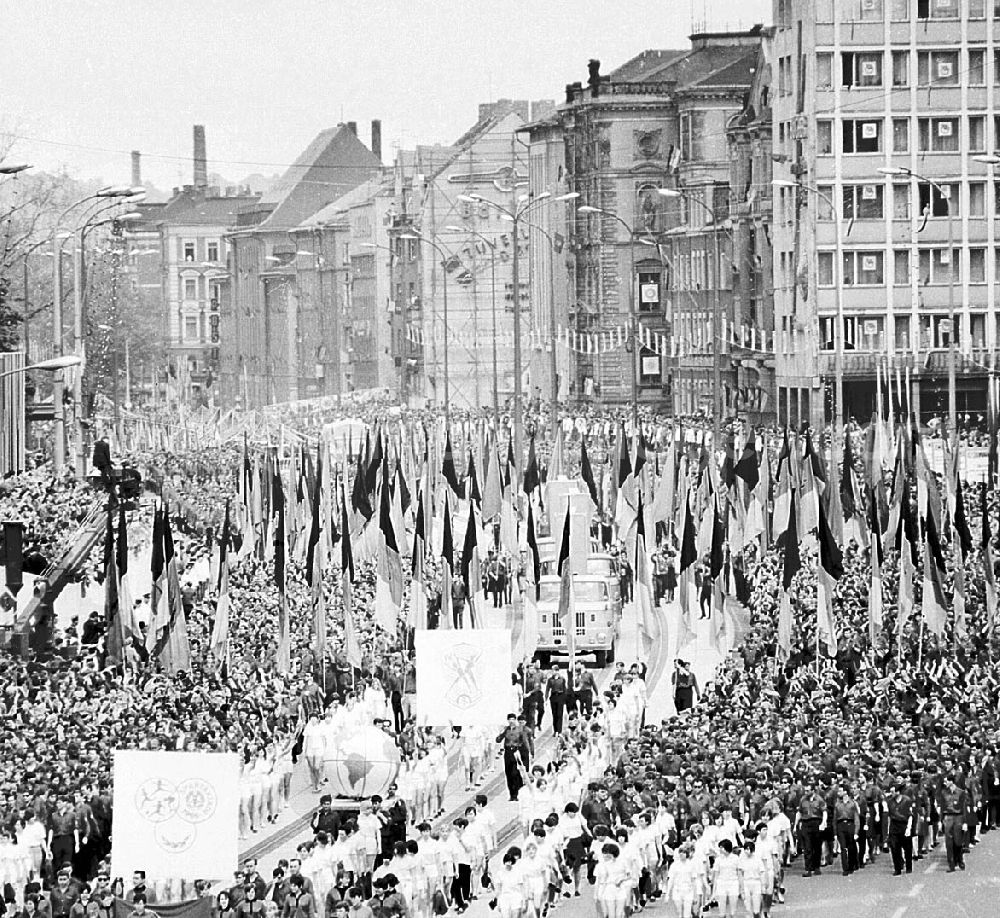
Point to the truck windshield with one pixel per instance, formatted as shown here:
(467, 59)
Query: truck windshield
(583, 590)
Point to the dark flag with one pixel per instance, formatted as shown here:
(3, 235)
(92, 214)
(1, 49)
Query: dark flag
(587, 473)
(448, 467)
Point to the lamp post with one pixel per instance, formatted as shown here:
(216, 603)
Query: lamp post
(51, 365)
(413, 234)
(838, 331)
(493, 313)
(13, 168)
(516, 213)
(952, 350)
(633, 317)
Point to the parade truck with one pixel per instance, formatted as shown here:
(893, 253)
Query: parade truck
(597, 619)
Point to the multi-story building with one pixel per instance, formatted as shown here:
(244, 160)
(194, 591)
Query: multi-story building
(264, 356)
(657, 122)
(880, 107)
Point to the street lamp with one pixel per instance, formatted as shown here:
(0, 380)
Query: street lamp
(952, 350)
(13, 168)
(838, 332)
(493, 311)
(413, 234)
(63, 362)
(519, 209)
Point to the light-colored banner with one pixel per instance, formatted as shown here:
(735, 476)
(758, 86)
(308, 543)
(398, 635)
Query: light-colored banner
(464, 677)
(176, 814)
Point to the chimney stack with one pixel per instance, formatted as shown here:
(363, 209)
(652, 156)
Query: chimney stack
(136, 169)
(200, 157)
(352, 126)
(377, 138)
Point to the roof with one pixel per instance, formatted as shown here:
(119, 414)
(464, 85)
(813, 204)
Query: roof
(364, 192)
(738, 73)
(707, 64)
(335, 162)
(193, 207)
(642, 64)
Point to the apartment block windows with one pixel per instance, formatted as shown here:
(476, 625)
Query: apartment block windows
(937, 9)
(938, 266)
(901, 267)
(861, 136)
(977, 134)
(899, 10)
(938, 135)
(861, 68)
(872, 11)
(977, 199)
(824, 212)
(650, 371)
(190, 328)
(649, 291)
(933, 203)
(212, 251)
(900, 68)
(901, 327)
(861, 269)
(900, 202)
(189, 250)
(863, 202)
(976, 75)
(900, 135)
(824, 138)
(935, 332)
(977, 266)
(938, 68)
(190, 288)
(824, 70)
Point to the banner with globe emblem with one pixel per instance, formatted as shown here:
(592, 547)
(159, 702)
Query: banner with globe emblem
(176, 814)
(463, 677)
(364, 762)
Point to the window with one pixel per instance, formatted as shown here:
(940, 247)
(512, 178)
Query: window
(824, 138)
(862, 136)
(823, 210)
(825, 266)
(901, 267)
(863, 202)
(899, 10)
(827, 328)
(934, 204)
(861, 69)
(650, 373)
(937, 135)
(900, 135)
(901, 202)
(977, 134)
(977, 199)
(937, 68)
(901, 325)
(977, 329)
(190, 328)
(900, 68)
(213, 252)
(937, 9)
(190, 288)
(649, 291)
(937, 266)
(189, 250)
(977, 9)
(871, 11)
(869, 333)
(996, 266)
(977, 67)
(824, 70)
(935, 331)
(977, 266)
(863, 269)
(996, 67)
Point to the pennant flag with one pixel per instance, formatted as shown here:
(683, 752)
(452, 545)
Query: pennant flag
(567, 611)
(360, 500)
(219, 644)
(493, 487)
(316, 525)
(989, 574)
(933, 607)
(352, 647)
(644, 585)
(783, 493)
(448, 466)
(282, 659)
(587, 473)
(534, 570)
(831, 569)
(389, 578)
(906, 542)
(472, 481)
(417, 618)
(686, 578)
(875, 609)
(961, 521)
(531, 479)
(173, 649)
(115, 642)
(748, 466)
(472, 575)
(447, 571)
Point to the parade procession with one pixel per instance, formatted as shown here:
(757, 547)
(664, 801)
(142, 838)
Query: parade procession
(594, 514)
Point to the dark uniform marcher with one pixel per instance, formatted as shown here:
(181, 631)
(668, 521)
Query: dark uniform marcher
(586, 689)
(900, 807)
(811, 817)
(515, 755)
(557, 690)
(847, 818)
(954, 821)
(685, 686)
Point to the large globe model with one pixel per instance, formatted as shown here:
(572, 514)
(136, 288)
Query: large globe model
(364, 763)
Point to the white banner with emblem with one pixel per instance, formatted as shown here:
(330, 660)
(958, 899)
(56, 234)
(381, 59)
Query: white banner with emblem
(176, 814)
(464, 677)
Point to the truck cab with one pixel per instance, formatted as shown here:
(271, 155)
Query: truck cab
(598, 619)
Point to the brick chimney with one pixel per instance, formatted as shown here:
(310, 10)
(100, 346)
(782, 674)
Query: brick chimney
(200, 157)
(352, 126)
(377, 139)
(136, 168)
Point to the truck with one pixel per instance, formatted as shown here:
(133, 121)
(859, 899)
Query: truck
(598, 619)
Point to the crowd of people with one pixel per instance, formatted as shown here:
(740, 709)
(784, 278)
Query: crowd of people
(889, 748)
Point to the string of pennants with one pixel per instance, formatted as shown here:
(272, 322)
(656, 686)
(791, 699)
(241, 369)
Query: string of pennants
(608, 340)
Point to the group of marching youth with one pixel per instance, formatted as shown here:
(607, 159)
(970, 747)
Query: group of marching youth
(265, 786)
(422, 779)
(477, 751)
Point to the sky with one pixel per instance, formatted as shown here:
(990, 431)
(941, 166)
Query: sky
(83, 82)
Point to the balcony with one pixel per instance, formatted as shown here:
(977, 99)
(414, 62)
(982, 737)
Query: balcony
(932, 362)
